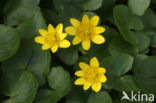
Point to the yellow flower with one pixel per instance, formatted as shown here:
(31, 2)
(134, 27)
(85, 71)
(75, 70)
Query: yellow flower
(91, 75)
(86, 31)
(53, 38)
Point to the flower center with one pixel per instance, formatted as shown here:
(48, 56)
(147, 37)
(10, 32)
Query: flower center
(92, 74)
(85, 31)
(52, 38)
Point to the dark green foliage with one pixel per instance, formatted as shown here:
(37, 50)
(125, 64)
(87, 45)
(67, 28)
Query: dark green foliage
(31, 75)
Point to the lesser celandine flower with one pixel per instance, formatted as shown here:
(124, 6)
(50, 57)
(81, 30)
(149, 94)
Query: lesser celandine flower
(91, 75)
(53, 38)
(86, 31)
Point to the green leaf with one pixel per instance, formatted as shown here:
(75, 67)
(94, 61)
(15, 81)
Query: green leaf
(99, 51)
(105, 12)
(92, 4)
(9, 42)
(30, 57)
(138, 59)
(68, 9)
(76, 95)
(138, 7)
(13, 3)
(144, 41)
(23, 89)
(117, 65)
(68, 56)
(149, 19)
(124, 83)
(47, 96)
(145, 74)
(19, 14)
(32, 25)
(119, 45)
(100, 97)
(126, 22)
(59, 81)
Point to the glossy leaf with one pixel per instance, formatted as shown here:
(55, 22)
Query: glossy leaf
(126, 22)
(145, 73)
(59, 81)
(9, 42)
(139, 7)
(117, 65)
(101, 97)
(30, 57)
(23, 89)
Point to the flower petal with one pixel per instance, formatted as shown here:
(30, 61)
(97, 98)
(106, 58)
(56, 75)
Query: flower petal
(64, 44)
(102, 70)
(95, 20)
(51, 29)
(54, 48)
(39, 39)
(43, 32)
(98, 39)
(62, 36)
(86, 85)
(99, 29)
(59, 28)
(79, 81)
(70, 30)
(83, 65)
(94, 62)
(85, 19)
(79, 73)
(103, 78)
(76, 23)
(45, 47)
(96, 87)
(76, 40)
(86, 44)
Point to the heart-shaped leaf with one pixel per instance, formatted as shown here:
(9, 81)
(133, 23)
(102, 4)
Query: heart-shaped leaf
(9, 42)
(145, 74)
(126, 22)
(30, 57)
(23, 89)
(138, 7)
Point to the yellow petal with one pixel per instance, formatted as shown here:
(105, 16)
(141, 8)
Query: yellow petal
(76, 40)
(98, 39)
(99, 29)
(103, 78)
(79, 81)
(76, 23)
(70, 30)
(43, 32)
(79, 73)
(85, 19)
(59, 28)
(94, 62)
(62, 36)
(86, 85)
(95, 20)
(64, 44)
(86, 44)
(39, 39)
(102, 70)
(96, 87)
(51, 29)
(45, 47)
(83, 65)
(54, 48)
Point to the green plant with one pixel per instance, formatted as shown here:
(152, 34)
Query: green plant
(127, 50)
